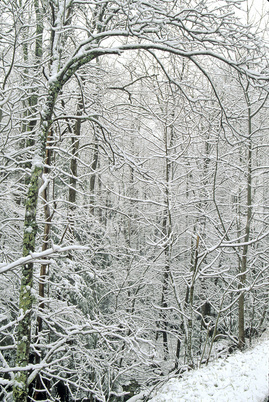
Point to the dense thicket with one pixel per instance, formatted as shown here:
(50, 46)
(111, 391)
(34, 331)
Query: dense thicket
(134, 193)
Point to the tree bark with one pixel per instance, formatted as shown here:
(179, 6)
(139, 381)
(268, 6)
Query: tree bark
(243, 265)
(20, 389)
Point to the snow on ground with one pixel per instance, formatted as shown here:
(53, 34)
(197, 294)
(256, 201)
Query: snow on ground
(242, 377)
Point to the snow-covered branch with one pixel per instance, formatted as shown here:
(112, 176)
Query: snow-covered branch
(39, 255)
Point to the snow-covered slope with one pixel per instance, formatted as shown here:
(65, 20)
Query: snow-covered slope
(241, 377)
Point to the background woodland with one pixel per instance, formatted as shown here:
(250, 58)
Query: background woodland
(134, 192)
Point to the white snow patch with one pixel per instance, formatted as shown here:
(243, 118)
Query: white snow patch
(37, 161)
(44, 185)
(241, 377)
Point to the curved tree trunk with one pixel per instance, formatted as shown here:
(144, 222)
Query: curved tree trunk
(30, 230)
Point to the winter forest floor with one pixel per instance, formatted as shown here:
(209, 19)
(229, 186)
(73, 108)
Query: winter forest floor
(241, 377)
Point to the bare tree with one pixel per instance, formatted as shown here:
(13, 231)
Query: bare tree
(76, 34)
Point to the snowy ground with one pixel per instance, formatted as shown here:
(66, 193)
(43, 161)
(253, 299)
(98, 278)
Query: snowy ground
(241, 377)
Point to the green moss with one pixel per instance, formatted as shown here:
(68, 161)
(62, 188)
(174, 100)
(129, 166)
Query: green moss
(30, 231)
(20, 391)
(30, 225)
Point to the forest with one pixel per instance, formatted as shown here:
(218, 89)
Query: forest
(134, 192)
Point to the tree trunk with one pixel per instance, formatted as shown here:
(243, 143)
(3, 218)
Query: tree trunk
(190, 303)
(243, 265)
(20, 390)
(39, 394)
(166, 231)
(26, 298)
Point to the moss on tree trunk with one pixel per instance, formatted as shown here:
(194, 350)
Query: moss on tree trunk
(26, 297)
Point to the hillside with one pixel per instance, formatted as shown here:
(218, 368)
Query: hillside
(240, 377)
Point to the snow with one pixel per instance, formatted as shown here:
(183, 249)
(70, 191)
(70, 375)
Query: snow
(4, 267)
(44, 185)
(37, 162)
(242, 377)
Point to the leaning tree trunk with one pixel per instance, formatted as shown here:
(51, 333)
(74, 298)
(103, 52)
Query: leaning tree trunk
(30, 230)
(30, 223)
(55, 85)
(30, 226)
